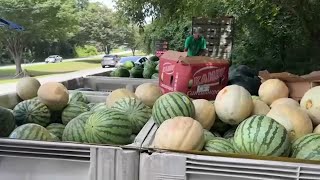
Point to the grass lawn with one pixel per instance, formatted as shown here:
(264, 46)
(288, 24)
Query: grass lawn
(7, 74)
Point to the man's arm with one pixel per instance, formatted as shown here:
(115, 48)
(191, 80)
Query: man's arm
(203, 50)
(186, 44)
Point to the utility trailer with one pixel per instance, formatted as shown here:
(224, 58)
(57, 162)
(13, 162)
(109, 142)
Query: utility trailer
(35, 160)
(175, 165)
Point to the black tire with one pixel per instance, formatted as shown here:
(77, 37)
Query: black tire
(103, 66)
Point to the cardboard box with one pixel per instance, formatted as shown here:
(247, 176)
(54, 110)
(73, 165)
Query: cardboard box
(199, 77)
(298, 85)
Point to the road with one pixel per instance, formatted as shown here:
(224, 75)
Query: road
(67, 60)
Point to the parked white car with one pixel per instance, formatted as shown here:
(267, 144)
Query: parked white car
(53, 59)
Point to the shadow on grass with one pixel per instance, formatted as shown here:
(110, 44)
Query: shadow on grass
(42, 73)
(91, 61)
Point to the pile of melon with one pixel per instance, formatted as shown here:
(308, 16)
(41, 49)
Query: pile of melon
(49, 112)
(271, 124)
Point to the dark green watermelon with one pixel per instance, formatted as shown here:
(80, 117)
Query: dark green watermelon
(121, 72)
(136, 72)
(128, 65)
(155, 76)
(154, 58)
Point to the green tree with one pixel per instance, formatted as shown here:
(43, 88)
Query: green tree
(43, 20)
(97, 26)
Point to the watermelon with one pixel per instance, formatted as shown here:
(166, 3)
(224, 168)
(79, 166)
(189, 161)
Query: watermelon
(149, 69)
(155, 76)
(31, 111)
(91, 105)
(261, 135)
(157, 68)
(109, 127)
(54, 137)
(137, 112)
(72, 111)
(154, 58)
(77, 96)
(132, 138)
(208, 135)
(7, 122)
(55, 116)
(307, 147)
(112, 74)
(128, 65)
(31, 131)
(171, 105)
(121, 72)
(98, 107)
(220, 127)
(230, 133)
(136, 72)
(219, 145)
(74, 130)
(56, 129)
(147, 73)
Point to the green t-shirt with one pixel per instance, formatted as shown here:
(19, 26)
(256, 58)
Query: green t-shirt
(195, 46)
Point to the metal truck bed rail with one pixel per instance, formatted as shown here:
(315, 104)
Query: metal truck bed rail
(155, 165)
(38, 160)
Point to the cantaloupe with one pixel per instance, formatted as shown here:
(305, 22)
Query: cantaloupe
(118, 94)
(205, 113)
(259, 107)
(285, 101)
(294, 119)
(179, 133)
(233, 104)
(54, 95)
(148, 93)
(311, 103)
(27, 88)
(317, 129)
(273, 89)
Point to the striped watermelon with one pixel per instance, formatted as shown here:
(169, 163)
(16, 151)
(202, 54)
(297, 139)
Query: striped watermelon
(261, 135)
(98, 107)
(54, 137)
(209, 135)
(219, 145)
(7, 122)
(31, 131)
(307, 147)
(77, 96)
(171, 105)
(230, 133)
(91, 105)
(138, 113)
(73, 110)
(32, 111)
(74, 130)
(56, 129)
(108, 127)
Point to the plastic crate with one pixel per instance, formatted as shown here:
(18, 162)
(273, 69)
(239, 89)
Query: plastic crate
(33, 160)
(108, 84)
(157, 165)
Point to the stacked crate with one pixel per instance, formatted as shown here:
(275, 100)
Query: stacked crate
(218, 33)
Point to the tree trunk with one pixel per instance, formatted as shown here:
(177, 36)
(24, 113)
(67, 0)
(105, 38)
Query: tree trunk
(15, 47)
(133, 51)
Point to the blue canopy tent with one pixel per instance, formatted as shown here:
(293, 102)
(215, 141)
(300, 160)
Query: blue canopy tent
(10, 25)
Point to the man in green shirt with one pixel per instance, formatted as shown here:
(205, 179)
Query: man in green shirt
(196, 44)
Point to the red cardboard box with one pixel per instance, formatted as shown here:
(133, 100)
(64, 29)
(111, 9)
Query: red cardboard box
(199, 77)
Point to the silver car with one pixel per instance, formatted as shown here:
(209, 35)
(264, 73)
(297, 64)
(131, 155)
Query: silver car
(109, 60)
(53, 59)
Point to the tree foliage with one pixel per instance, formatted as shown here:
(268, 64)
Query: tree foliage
(47, 20)
(278, 35)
